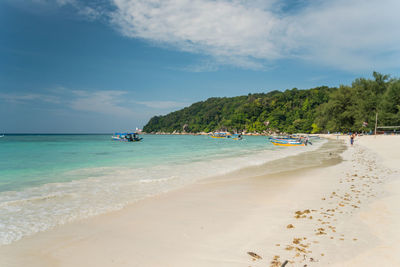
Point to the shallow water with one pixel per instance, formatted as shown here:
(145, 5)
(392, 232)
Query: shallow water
(46, 180)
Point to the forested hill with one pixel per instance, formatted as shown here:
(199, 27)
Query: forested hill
(289, 111)
(321, 109)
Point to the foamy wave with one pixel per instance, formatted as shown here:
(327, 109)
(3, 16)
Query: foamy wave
(37, 209)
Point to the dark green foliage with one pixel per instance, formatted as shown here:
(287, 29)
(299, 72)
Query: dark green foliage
(350, 106)
(313, 110)
(289, 111)
(390, 105)
(338, 113)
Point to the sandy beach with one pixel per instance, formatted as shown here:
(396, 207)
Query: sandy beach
(331, 207)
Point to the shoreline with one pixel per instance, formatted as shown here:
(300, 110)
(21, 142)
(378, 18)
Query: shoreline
(215, 223)
(104, 189)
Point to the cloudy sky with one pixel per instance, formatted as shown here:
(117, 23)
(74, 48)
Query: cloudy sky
(109, 65)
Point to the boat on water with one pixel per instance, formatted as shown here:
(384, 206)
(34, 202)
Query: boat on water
(221, 135)
(225, 135)
(290, 140)
(126, 137)
(282, 137)
(286, 142)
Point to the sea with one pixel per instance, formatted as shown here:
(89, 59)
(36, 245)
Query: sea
(48, 180)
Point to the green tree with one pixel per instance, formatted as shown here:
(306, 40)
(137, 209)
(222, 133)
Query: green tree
(318, 109)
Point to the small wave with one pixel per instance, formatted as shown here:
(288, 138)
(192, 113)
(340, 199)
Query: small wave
(32, 199)
(161, 180)
(106, 189)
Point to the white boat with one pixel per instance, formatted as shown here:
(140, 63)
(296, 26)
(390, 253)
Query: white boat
(126, 137)
(221, 135)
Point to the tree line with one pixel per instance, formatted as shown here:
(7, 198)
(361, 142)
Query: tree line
(320, 109)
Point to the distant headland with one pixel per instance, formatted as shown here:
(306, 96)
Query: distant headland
(318, 110)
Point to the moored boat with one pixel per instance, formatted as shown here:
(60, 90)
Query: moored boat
(126, 137)
(221, 135)
(286, 142)
(282, 137)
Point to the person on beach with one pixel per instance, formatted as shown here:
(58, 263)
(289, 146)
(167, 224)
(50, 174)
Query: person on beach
(352, 139)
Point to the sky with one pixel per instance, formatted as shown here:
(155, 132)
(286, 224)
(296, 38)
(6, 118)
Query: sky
(103, 66)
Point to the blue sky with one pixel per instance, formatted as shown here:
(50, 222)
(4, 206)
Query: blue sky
(109, 65)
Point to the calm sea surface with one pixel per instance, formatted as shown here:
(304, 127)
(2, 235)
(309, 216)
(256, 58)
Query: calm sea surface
(46, 180)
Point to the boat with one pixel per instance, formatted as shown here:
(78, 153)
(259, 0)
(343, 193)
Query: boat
(126, 137)
(282, 137)
(221, 135)
(286, 142)
(2, 135)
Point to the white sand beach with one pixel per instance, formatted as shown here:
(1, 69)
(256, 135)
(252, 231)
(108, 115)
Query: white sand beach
(381, 215)
(336, 214)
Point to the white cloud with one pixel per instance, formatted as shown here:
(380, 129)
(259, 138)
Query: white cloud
(351, 34)
(65, 2)
(343, 34)
(106, 102)
(116, 103)
(27, 97)
(219, 28)
(88, 12)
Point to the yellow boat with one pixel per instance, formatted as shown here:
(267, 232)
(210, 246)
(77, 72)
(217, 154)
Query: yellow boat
(286, 144)
(213, 136)
(221, 135)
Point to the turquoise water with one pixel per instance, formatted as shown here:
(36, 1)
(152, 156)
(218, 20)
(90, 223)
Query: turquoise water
(47, 180)
(32, 160)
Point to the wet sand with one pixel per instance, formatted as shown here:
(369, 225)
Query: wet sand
(314, 210)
